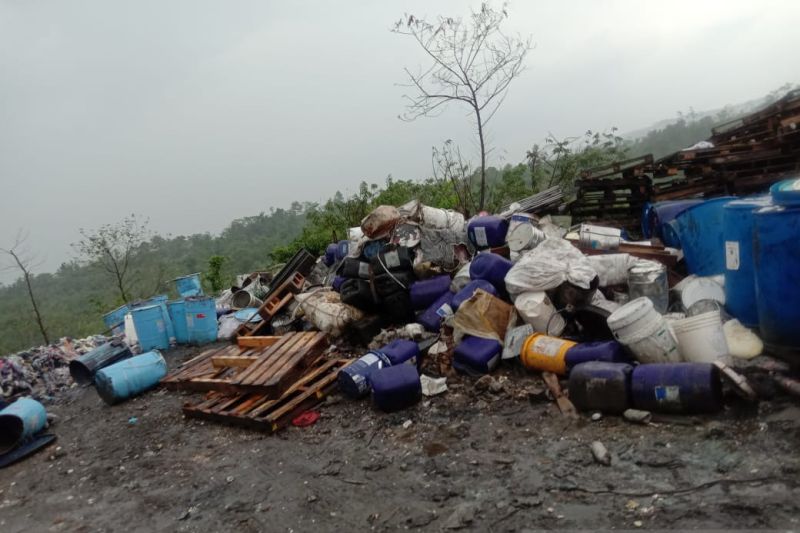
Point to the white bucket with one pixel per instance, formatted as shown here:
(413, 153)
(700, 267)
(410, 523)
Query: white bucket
(599, 237)
(701, 288)
(701, 338)
(536, 309)
(644, 332)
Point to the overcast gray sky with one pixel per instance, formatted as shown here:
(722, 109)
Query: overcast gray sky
(193, 113)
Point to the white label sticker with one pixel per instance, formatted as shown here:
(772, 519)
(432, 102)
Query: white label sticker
(445, 311)
(392, 259)
(363, 270)
(669, 394)
(547, 346)
(732, 255)
(480, 236)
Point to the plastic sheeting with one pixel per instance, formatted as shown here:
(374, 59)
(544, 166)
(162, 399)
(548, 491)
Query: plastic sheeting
(549, 265)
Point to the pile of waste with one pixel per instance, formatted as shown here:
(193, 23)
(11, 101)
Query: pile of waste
(43, 371)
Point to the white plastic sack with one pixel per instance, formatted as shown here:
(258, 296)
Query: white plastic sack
(324, 309)
(612, 269)
(549, 265)
(228, 324)
(434, 218)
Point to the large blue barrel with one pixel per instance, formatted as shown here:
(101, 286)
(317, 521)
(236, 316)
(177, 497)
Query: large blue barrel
(700, 233)
(201, 320)
(115, 320)
(423, 293)
(601, 386)
(740, 283)
(656, 216)
(786, 192)
(777, 264)
(177, 315)
(677, 388)
(83, 368)
(189, 285)
(490, 267)
(150, 327)
(487, 232)
(20, 421)
(123, 380)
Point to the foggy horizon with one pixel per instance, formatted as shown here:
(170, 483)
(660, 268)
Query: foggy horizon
(191, 114)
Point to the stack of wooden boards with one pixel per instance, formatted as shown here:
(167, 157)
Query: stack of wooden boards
(263, 382)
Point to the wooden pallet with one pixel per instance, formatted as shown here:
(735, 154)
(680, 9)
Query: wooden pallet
(269, 414)
(268, 370)
(277, 300)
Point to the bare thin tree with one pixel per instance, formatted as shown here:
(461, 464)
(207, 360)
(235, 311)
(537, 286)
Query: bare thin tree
(25, 262)
(449, 166)
(471, 61)
(112, 247)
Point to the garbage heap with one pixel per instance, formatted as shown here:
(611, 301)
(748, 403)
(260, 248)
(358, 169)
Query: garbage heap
(43, 371)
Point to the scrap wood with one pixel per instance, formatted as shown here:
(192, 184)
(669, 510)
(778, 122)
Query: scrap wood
(564, 405)
(270, 414)
(255, 341)
(273, 303)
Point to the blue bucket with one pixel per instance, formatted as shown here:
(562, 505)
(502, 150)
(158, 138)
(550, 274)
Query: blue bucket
(740, 282)
(151, 328)
(177, 315)
(700, 233)
(126, 379)
(189, 285)
(201, 319)
(115, 320)
(777, 263)
(20, 421)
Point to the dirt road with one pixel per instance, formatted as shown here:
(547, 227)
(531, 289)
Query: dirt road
(469, 459)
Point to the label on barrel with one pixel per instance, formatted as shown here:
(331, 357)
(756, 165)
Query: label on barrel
(547, 346)
(732, 255)
(480, 236)
(363, 270)
(445, 311)
(392, 259)
(668, 394)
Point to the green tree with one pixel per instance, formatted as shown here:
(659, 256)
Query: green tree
(214, 272)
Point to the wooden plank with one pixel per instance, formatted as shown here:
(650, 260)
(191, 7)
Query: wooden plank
(257, 341)
(237, 361)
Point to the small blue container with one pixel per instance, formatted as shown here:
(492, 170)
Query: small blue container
(354, 378)
(431, 318)
(395, 387)
(424, 293)
(677, 388)
(492, 268)
(126, 379)
(475, 355)
(740, 281)
(19, 422)
(336, 284)
(601, 386)
(189, 285)
(606, 351)
(777, 265)
(372, 248)
(330, 254)
(177, 314)
(401, 351)
(201, 320)
(700, 233)
(150, 327)
(469, 289)
(115, 320)
(342, 249)
(487, 231)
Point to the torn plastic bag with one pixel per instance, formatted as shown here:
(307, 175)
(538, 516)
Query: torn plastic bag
(324, 309)
(228, 324)
(484, 316)
(381, 221)
(549, 265)
(442, 247)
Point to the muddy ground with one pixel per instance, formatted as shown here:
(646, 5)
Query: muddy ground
(469, 459)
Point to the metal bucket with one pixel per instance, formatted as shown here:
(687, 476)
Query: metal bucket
(243, 299)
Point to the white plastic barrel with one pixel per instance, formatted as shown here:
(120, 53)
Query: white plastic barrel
(644, 332)
(701, 338)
